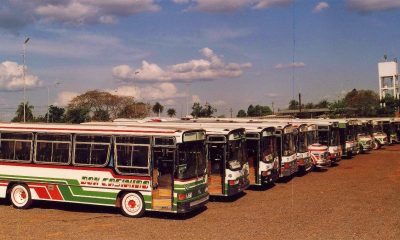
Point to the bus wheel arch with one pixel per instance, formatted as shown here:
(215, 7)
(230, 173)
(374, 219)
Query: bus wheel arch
(19, 195)
(131, 204)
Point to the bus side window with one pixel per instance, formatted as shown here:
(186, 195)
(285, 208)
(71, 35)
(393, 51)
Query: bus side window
(132, 155)
(16, 146)
(53, 148)
(92, 150)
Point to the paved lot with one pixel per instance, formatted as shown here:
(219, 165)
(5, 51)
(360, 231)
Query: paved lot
(358, 199)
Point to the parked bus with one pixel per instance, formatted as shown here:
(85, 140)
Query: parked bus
(228, 168)
(378, 134)
(303, 141)
(135, 169)
(329, 135)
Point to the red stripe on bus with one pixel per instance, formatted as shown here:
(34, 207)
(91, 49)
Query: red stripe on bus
(84, 129)
(41, 191)
(55, 193)
(76, 168)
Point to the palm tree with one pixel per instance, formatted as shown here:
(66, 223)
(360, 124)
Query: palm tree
(158, 108)
(19, 114)
(171, 112)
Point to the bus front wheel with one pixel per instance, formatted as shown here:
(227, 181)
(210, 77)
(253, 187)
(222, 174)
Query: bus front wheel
(132, 205)
(20, 196)
(376, 145)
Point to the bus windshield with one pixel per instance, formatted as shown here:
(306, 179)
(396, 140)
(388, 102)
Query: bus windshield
(302, 142)
(335, 137)
(235, 158)
(311, 137)
(288, 147)
(191, 160)
(268, 146)
(323, 137)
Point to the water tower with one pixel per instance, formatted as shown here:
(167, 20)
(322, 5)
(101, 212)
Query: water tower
(388, 78)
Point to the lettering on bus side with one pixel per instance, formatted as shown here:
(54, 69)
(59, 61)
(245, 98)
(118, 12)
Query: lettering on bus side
(115, 183)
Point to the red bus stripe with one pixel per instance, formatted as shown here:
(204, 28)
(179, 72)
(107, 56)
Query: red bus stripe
(96, 169)
(41, 191)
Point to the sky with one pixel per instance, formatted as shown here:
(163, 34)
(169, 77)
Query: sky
(228, 53)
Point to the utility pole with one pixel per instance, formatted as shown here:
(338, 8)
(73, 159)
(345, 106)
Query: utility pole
(23, 73)
(231, 111)
(273, 111)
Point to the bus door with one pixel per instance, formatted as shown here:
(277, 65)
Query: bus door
(163, 172)
(216, 148)
(253, 153)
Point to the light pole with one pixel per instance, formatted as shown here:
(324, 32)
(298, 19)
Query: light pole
(137, 72)
(48, 99)
(23, 72)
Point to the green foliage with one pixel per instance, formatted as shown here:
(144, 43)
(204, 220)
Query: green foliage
(258, 111)
(101, 115)
(56, 114)
(241, 113)
(158, 108)
(322, 104)
(19, 114)
(364, 102)
(77, 115)
(293, 105)
(171, 112)
(202, 111)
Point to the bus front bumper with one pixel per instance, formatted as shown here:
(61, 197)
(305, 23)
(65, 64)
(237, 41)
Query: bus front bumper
(243, 183)
(185, 207)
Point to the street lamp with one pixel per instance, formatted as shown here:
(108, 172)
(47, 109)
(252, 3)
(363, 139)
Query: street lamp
(23, 72)
(48, 99)
(137, 72)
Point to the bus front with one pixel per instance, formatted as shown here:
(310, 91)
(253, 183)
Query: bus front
(287, 152)
(269, 159)
(237, 167)
(303, 155)
(190, 182)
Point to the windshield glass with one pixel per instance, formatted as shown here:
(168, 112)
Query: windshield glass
(335, 137)
(302, 142)
(323, 137)
(268, 148)
(288, 147)
(311, 137)
(235, 158)
(191, 160)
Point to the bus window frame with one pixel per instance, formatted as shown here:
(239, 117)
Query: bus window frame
(70, 143)
(74, 142)
(8, 140)
(149, 156)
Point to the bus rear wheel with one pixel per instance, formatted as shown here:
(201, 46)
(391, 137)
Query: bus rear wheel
(376, 145)
(132, 205)
(20, 196)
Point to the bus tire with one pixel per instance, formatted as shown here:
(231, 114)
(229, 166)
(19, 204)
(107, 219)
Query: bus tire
(20, 196)
(132, 204)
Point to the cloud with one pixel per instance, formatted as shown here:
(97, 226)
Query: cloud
(65, 97)
(320, 7)
(222, 6)
(365, 6)
(159, 91)
(272, 95)
(11, 77)
(211, 68)
(290, 65)
(272, 3)
(15, 14)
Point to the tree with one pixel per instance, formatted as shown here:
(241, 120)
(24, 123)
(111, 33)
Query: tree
(158, 108)
(241, 113)
(338, 109)
(322, 104)
(101, 115)
(77, 115)
(309, 105)
(98, 103)
(364, 102)
(258, 111)
(293, 105)
(56, 114)
(19, 114)
(203, 111)
(171, 112)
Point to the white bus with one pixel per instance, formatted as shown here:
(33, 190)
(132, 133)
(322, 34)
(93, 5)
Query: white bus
(135, 169)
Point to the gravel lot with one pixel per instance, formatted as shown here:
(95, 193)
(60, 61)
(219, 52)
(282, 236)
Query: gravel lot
(358, 199)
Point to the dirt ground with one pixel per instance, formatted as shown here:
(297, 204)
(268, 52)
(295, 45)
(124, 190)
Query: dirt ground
(358, 199)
